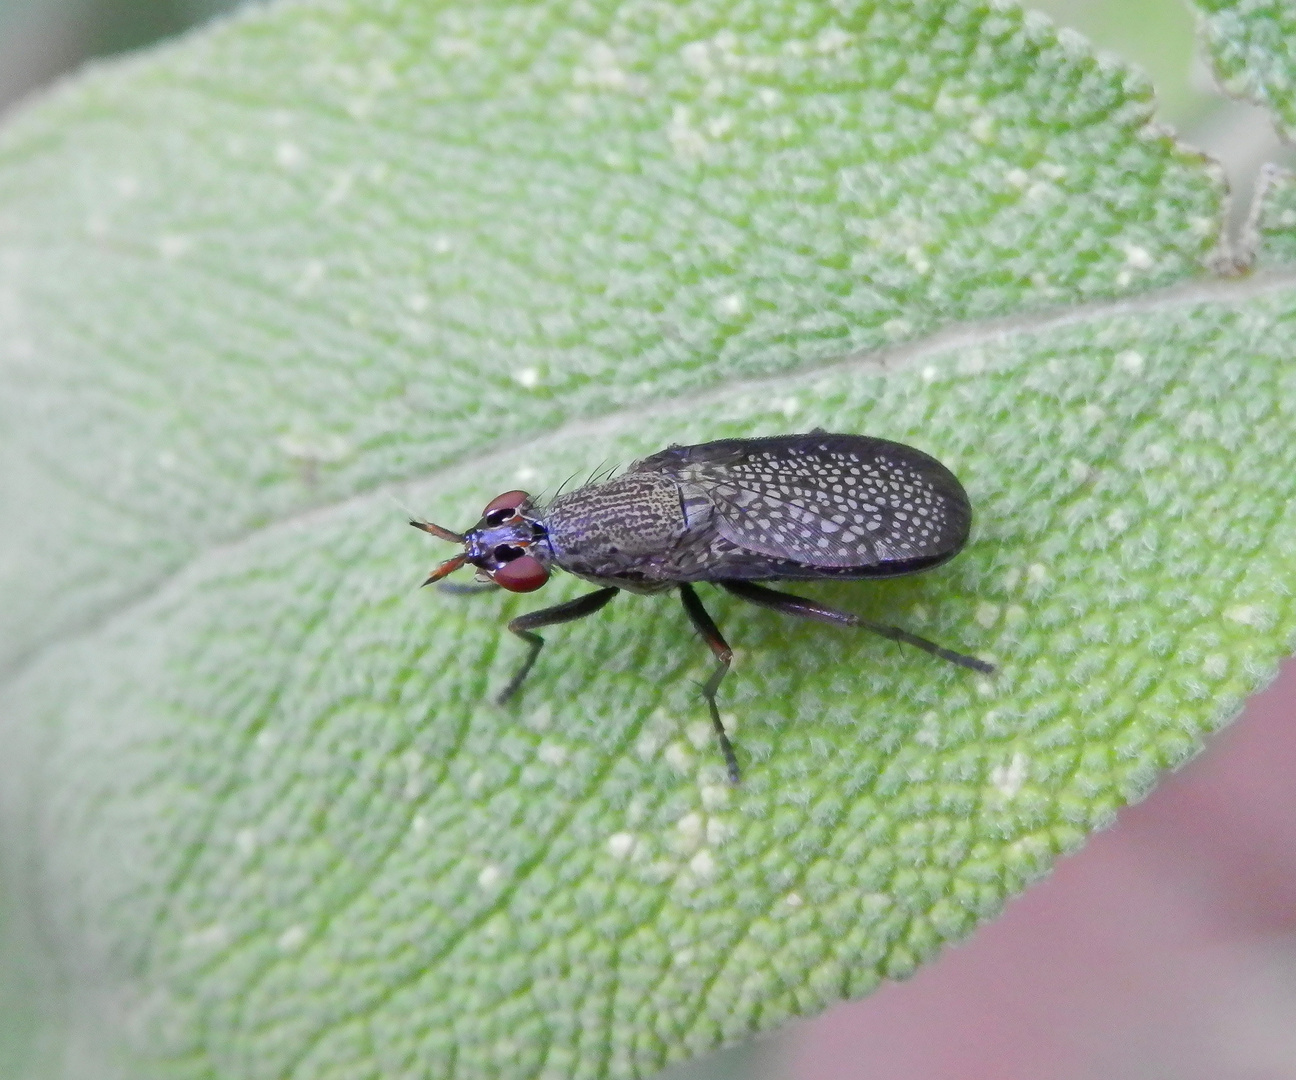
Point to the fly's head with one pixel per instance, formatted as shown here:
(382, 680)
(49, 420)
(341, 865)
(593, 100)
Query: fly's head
(507, 546)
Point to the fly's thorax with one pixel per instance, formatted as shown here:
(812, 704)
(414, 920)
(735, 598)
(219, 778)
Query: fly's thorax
(619, 524)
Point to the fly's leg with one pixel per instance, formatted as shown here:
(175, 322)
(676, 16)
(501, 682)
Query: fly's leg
(525, 626)
(711, 635)
(809, 609)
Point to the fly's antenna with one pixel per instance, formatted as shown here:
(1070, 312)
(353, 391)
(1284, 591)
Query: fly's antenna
(439, 532)
(426, 526)
(447, 567)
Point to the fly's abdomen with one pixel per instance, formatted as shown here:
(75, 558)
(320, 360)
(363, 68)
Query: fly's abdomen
(801, 506)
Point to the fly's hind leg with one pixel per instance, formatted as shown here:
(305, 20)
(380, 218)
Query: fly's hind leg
(810, 609)
(711, 635)
(525, 626)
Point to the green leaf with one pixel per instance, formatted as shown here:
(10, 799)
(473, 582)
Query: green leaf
(1252, 44)
(262, 289)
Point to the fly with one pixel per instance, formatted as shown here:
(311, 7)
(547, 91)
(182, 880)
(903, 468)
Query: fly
(734, 512)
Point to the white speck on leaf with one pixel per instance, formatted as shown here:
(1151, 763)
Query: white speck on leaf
(292, 939)
(489, 876)
(703, 864)
(1138, 258)
(731, 305)
(715, 796)
(686, 141)
(552, 753)
(1158, 454)
(621, 845)
(678, 757)
(832, 39)
(1009, 777)
(320, 448)
(601, 70)
(915, 257)
(983, 128)
(456, 47)
(718, 831)
(697, 56)
(1255, 615)
(288, 155)
(700, 734)
(340, 188)
(691, 827)
(719, 126)
(215, 936)
(310, 276)
(1131, 361)
(928, 733)
(171, 247)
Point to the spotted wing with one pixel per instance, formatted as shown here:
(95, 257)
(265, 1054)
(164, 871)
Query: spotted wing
(823, 500)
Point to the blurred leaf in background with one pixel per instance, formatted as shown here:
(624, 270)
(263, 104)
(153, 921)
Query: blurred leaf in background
(43, 39)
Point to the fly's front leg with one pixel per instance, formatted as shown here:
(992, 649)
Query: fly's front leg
(810, 609)
(711, 635)
(525, 626)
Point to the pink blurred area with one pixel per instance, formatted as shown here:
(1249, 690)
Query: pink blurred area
(1165, 949)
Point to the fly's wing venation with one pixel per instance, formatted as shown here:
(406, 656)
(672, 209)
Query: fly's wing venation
(824, 500)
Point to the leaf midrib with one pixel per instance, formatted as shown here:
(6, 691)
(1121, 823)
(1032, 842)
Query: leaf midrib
(874, 361)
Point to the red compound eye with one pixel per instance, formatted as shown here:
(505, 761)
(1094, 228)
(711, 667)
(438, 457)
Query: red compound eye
(523, 574)
(503, 507)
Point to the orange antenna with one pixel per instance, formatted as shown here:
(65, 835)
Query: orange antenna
(438, 531)
(447, 567)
